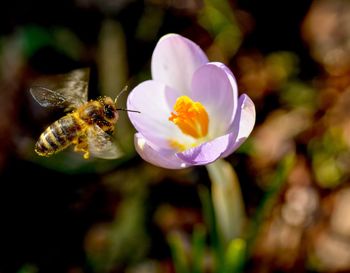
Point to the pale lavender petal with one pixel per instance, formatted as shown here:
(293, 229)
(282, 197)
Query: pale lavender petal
(151, 99)
(242, 125)
(225, 145)
(215, 87)
(156, 156)
(174, 61)
(207, 152)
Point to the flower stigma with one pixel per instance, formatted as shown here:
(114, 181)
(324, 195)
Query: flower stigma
(191, 118)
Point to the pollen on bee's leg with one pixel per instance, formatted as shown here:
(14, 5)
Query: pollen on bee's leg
(81, 146)
(86, 155)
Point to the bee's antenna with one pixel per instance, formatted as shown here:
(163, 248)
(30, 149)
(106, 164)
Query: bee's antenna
(121, 109)
(127, 110)
(121, 92)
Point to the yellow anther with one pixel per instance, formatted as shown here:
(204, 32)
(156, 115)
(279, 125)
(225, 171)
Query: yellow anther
(191, 117)
(177, 145)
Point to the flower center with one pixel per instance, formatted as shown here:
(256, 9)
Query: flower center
(191, 117)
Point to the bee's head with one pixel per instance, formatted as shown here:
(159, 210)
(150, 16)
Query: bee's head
(109, 109)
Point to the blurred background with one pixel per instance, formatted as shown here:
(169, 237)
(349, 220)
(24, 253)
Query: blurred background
(67, 214)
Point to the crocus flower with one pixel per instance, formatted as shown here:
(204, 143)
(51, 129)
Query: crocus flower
(190, 110)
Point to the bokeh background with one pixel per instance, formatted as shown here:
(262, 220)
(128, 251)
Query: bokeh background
(66, 214)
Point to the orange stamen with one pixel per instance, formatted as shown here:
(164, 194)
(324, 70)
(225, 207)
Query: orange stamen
(191, 117)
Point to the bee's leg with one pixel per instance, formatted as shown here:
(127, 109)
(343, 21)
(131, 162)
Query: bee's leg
(86, 155)
(82, 146)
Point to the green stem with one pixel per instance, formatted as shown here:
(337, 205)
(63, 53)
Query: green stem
(227, 200)
(209, 217)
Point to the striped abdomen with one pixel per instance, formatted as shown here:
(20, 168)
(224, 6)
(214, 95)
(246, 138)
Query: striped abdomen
(58, 135)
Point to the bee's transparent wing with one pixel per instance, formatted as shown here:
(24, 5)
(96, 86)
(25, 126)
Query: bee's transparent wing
(101, 144)
(74, 85)
(67, 91)
(49, 98)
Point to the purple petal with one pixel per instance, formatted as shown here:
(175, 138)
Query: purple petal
(207, 152)
(243, 123)
(151, 99)
(174, 61)
(215, 87)
(156, 156)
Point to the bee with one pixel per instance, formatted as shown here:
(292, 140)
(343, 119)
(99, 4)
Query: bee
(89, 125)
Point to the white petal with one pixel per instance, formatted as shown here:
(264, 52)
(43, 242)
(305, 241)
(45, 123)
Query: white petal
(215, 87)
(207, 152)
(175, 59)
(156, 156)
(151, 99)
(243, 123)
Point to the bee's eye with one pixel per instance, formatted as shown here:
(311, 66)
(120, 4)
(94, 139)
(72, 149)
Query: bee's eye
(109, 111)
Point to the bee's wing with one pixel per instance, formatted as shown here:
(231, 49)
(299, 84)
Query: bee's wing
(64, 90)
(101, 144)
(49, 98)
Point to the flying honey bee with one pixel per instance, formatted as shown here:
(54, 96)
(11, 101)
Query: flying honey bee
(89, 125)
